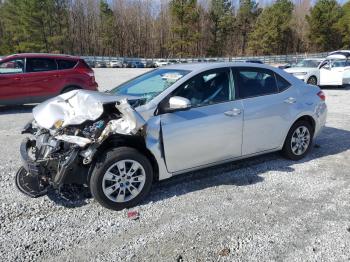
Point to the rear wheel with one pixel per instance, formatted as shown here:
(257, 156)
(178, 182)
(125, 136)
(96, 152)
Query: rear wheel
(312, 80)
(122, 178)
(298, 141)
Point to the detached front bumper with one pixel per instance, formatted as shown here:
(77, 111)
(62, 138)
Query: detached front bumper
(29, 178)
(35, 176)
(28, 164)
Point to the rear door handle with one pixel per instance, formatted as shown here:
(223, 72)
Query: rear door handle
(290, 100)
(17, 78)
(233, 112)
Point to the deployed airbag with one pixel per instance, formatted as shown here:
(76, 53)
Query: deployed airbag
(72, 108)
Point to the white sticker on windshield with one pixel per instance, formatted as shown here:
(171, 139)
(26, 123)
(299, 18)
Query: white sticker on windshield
(171, 77)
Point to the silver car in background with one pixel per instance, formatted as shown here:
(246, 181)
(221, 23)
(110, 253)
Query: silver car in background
(167, 122)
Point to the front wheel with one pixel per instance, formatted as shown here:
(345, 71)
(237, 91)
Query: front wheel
(298, 141)
(312, 80)
(122, 178)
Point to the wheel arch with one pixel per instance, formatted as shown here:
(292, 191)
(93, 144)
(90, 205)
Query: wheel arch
(304, 117)
(307, 118)
(136, 142)
(73, 86)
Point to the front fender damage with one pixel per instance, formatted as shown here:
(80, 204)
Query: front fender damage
(65, 144)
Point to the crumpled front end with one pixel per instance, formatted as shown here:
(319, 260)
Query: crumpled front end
(65, 135)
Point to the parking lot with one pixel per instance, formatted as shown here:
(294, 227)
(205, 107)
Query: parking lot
(261, 209)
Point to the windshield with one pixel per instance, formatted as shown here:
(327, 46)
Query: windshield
(149, 85)
(308, 63)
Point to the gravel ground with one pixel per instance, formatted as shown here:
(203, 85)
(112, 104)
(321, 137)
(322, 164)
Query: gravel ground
(261, 209)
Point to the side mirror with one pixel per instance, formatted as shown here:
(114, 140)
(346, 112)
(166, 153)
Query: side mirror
(175, 103)
(327, 66)
(178, 102)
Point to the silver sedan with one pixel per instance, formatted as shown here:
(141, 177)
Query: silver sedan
(167, 122)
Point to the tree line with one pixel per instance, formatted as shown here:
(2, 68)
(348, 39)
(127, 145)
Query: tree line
(172, 28)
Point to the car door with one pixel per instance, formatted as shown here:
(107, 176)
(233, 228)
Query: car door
(211, 130)
(11, 81)
(268, 110)
(41, 78)
(331, 74)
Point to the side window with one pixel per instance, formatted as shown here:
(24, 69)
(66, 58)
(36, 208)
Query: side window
(65, 64)
(40, 65)
(282, 84)
(15, 66)
(207, 88)
(339, 63)
(255, 82)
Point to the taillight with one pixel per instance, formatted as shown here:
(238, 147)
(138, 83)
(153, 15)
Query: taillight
(321, 95)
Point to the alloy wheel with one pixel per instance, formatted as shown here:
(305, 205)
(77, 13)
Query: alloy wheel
(300, 140)
(312, 81)
(123, 180)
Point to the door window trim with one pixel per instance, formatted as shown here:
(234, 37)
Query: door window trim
(25, 65)
(235, 71)
(12, 59)
(232, 87)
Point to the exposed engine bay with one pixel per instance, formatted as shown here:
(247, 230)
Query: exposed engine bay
(65, 135)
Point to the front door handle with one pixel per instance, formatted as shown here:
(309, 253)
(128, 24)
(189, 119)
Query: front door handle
(233, 112)
(290, 100)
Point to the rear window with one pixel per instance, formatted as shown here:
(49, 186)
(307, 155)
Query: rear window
(66, 64)
(40, 65)
(84, 63)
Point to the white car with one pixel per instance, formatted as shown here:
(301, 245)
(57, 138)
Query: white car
(115, 64)
(160, 63)
(335, 69)
(307, 70)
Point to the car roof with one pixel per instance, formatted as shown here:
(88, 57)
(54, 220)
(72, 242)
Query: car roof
(341, 54)
(213, 65)
(314, 58)
(41, 55)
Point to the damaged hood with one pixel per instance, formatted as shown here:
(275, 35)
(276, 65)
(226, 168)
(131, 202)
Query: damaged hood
(77, 106)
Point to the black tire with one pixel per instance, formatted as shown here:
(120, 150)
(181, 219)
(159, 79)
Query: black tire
(70, 88)
(312, 80)
(287, 150)
(105, 162)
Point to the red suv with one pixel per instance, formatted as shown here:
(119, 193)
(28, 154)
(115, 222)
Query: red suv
(33, 78)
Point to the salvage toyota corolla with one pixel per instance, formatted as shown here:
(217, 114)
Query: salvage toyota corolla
(166, 122)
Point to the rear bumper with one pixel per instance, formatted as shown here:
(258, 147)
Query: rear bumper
(320, 117)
